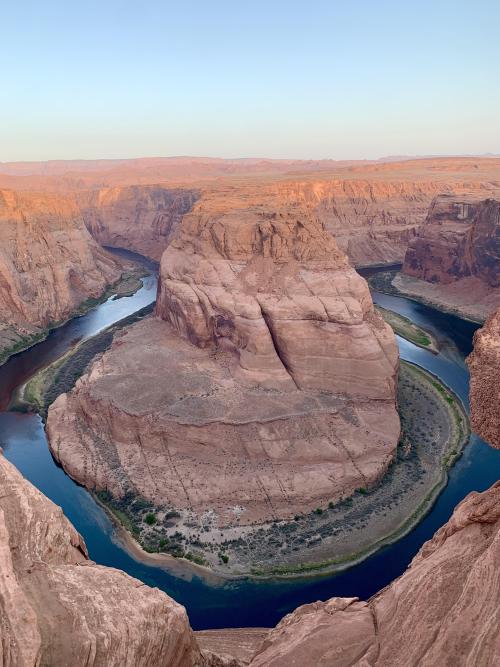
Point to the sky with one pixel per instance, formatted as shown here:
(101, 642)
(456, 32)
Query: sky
(346, 79)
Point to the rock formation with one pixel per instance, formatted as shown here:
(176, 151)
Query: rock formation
(372, 208)
(266, 385)
(484, 366)
(460, 238)
(456, 256)
(49, 263)
(139, 218)
(59, 608)
(444, 610)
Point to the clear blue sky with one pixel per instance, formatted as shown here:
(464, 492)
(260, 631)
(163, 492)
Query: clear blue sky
(281, 78)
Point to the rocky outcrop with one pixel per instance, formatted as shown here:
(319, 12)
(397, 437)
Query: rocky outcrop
(454, 261)
(444, 610)
(484, 366)
(275, 290)
(372, 208)
(59, 608)
(265, 387)
(460, 238)
(49, 263)
(139, 218)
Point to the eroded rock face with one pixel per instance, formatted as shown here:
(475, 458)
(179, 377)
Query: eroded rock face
(460, 238)
(484, 366)
(59, 608)
(266, 386)
(275, 290)
(49, 263)
(444, 610)
(139, 218)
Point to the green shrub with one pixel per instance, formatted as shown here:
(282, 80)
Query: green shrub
(150, 518)
(318, 510)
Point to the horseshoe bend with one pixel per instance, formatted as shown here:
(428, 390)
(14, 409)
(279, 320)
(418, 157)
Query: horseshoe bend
(264, 386)
(250, 334)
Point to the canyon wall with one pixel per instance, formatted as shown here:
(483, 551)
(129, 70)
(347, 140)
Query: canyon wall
(139, 218)
(460, 238)
(484, 367)
(444, 610)
(453, 263)
(57, 607)
(264, 387)
(49, 263)
(372, 208)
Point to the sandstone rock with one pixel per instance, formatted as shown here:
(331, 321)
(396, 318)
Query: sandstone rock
(460, 238)
(59, 608)
(444, 610)
(275, 290)
(139, 218)
(270, 388)
(49, 263)
(372, 208)
(484, 366)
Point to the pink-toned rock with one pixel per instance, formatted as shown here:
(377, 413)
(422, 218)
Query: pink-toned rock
(59, 608)
(49, 263)
(484, 367)
(269, 388)
(444, 610)
(139, 218)
(459, 238)
(275, 290)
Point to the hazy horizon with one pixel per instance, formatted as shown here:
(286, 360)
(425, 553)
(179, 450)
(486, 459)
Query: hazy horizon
(285, 80)
(263, 158)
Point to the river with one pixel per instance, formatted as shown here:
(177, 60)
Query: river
(241, 602)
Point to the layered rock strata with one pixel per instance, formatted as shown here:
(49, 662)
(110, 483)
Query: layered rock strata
(139, 218)
(444, 610)
(49, 263)
(484, 366)
(372, 208)
(455, 256)
(265, 386)
(59, 608)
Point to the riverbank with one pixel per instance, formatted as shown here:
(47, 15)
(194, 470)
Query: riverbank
(407, 329)
(468, 298)
(13, 340)
(330, 539)
(60, 376)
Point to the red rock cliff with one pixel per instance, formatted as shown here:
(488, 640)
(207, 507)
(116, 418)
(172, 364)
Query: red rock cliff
(460, 238)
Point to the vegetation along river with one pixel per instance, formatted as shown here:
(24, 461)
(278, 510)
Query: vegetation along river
(242, 602)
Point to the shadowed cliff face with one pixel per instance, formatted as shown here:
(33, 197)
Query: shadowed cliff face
(460, 238)
(484, 366)
(139, 218)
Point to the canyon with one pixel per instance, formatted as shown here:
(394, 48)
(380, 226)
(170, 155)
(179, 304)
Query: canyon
(49, 265)
(454, 259)
(372, 208)
(59, 608)
(262, 388)
(280, 381)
